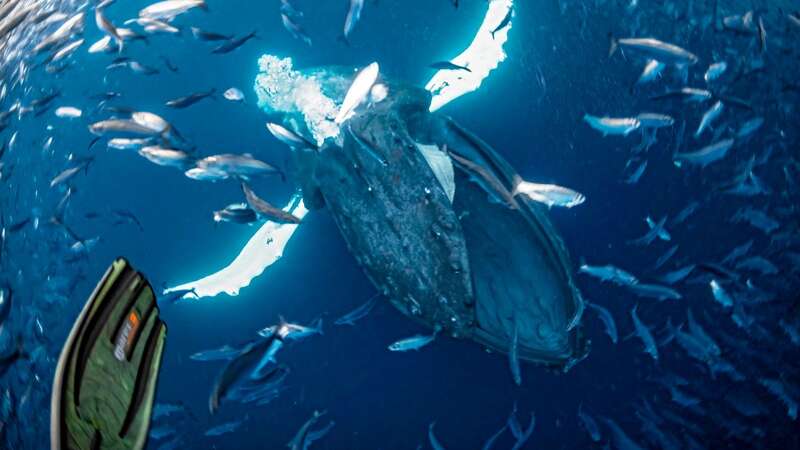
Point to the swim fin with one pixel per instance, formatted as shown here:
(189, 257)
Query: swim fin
(106, 376)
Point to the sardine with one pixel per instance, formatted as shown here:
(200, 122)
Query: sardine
(609, 273)
(415, 342)
(652, 71)
(189, 100)
(447, 65)
(656, 230)
(233, 94)
(655, 291)
(107, 27)
(208, 35)
(610, 125)
(357, 92)
(589, 424)
(68, 112)
(706, 155)
(665, 257)
(225, 428)
(607, 319)
(715, 71)
(636, 175)
(296, 30)
(234, 43)
(432, 439)
(305, 435)
(353, 16)
(655, 49)
(242, 165)
(68, 174)
(503, 23)
(266, 210)
(206, 174)
(236, 213)
(289, 137)
(486, 179)
(548, 194)
(644, 334)
(709, 117)
(655, 120)
(358, 313)
(687, 94)
(169, 9)
(166, 156)
(677, 275)
(224, 353)
(128, 144)
(750, 127)
(720, 295)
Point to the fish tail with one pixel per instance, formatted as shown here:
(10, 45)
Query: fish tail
(613, 44)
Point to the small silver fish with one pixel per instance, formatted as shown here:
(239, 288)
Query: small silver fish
(68, 112)
(119, 126)
(415, 342)
(548, 194)
(236, 213)
(709, 117)
(353, 16)
(715, 71)
(233, 94)
(655, 49)
(611, 125)
(169, 9)
(289, 137)
(706, 155)
(654, 120)
(166, 156)
(107, 27)
(233, 164)
(720, 295)
(361, 86)
(644, 334)
(652, 71)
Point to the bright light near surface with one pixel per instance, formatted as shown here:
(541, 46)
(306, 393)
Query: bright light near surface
(260, 252)
(481, 57)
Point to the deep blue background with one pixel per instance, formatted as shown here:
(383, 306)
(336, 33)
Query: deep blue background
(530, 109)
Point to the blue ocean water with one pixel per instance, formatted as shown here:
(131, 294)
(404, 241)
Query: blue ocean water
(530, 109)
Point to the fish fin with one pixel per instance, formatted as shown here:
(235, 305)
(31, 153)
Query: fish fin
(515, 182)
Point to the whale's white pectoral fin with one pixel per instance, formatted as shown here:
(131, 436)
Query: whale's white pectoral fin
(261, 251)
(482, 56)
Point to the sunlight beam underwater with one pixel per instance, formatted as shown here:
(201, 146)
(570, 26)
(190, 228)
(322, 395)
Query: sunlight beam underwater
(482, 56)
